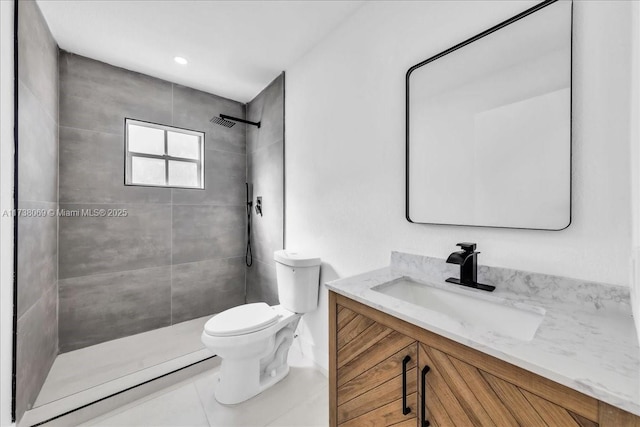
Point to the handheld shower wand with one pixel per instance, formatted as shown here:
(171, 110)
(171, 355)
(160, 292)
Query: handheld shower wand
(248, 256)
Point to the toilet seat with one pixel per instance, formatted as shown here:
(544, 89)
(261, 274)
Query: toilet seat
(240, 320)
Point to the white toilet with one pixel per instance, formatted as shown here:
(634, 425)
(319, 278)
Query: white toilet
(253, 340)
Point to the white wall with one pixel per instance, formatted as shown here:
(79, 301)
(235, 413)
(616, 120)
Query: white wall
(6, 203)
(345, 147)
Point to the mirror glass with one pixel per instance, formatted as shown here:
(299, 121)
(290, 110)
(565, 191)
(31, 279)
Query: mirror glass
(489, 127)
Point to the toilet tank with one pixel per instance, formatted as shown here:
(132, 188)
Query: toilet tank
(298, 277)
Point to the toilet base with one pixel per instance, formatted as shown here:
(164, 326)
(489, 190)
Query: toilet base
(223, 396)
(242, 379)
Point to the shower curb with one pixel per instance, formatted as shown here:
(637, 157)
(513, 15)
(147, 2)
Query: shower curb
(45, 415)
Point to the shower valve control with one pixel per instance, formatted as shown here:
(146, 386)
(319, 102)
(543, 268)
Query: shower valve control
(259, 205)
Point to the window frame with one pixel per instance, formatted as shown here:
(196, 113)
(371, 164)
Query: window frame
(128, 155)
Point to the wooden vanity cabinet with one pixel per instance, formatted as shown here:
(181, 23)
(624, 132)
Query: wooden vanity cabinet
(459, 394)
(370, 353)
(376, 373)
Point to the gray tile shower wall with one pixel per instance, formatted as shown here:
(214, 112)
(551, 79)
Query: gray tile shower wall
(261, 282)
(194, 295)
(265, 171)
(37, 327)
(36, 349)
(203, 232)
(179, 253)
(106, 306)
(95, 245)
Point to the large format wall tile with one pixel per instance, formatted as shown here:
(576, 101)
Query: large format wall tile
(37, 150)
(206, 287)
(207, 232)
(38, 57)
(37, 254)
(92, 245)
(37, 182)
(192, 109)
(261, 283)
(268, 109)
(37, 348)
(266, 172)
(99, 256)
(97, 96)
(224, 175)
(92, 170)
(103, 307)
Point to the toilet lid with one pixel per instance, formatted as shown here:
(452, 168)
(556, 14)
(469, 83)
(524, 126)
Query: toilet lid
(242, 319)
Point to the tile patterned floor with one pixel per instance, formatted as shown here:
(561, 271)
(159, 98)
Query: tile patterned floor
(299, 400)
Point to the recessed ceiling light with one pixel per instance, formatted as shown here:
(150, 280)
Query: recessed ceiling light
(180, 60)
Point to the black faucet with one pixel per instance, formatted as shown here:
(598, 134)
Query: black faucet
(467, 259)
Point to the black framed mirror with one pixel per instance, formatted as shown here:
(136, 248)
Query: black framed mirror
(488, 126)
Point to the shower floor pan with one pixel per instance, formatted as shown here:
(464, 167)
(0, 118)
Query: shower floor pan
(87, 375)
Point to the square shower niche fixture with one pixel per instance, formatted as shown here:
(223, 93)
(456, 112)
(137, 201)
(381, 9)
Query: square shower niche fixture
(163, 156)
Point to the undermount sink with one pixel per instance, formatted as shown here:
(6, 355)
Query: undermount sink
(475, 311)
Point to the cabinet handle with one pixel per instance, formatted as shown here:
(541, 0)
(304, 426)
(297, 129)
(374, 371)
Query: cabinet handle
(423, 400)
(405, 408)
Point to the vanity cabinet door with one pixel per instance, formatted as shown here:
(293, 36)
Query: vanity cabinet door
(376, 381)
(459, 394)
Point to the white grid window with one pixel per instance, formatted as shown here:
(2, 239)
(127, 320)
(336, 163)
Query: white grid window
(163, 156)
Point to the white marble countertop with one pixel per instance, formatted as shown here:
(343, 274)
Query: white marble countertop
(586, 341)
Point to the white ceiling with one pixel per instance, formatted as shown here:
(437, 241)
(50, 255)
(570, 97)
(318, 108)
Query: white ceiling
(234, 48)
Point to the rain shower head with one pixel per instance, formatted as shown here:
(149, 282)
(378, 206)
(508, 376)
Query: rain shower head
(222, 122)
(228, 121)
